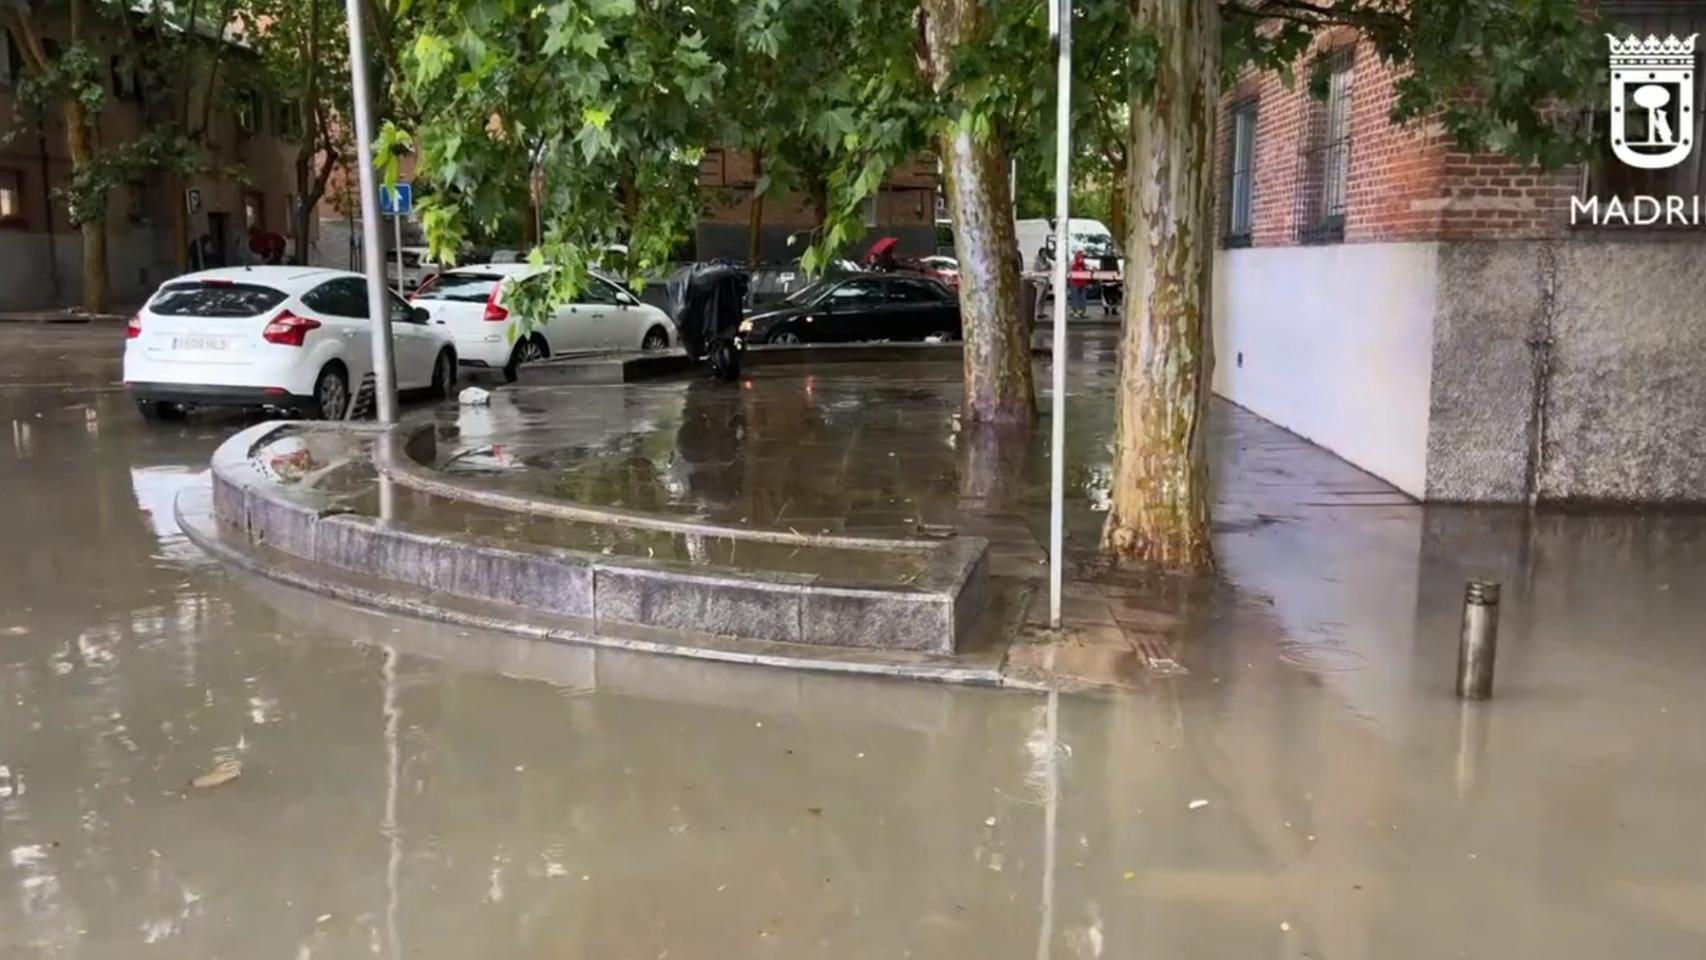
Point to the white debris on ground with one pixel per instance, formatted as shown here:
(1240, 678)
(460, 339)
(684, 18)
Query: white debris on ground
(224, 773)
(474, 397)
(1197, 804)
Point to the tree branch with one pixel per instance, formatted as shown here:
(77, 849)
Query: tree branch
(33, 51)
(213, 68)
(1311, 15)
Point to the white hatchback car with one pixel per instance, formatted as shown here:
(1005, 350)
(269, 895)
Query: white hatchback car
(295, 338)
(470, 302)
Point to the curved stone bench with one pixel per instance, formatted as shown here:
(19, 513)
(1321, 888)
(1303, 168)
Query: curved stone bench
(931, 613)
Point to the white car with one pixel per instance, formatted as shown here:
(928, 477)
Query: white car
(471, 303)
(294, 338)
(418, 267)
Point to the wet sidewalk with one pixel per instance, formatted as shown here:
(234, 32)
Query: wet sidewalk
(879, 450)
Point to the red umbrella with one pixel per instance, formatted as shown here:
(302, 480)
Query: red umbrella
(879, 248)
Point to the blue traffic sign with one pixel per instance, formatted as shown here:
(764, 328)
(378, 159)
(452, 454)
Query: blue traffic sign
(398, 202)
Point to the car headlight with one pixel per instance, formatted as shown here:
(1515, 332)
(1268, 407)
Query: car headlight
(746, 326)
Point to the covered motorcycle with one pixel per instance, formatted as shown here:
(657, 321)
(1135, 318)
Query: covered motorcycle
(707, 300)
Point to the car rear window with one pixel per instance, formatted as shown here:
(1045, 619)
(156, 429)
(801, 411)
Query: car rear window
(196, 299)
(461, 287)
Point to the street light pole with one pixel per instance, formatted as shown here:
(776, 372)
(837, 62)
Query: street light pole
(1060, 21)
(373, 251)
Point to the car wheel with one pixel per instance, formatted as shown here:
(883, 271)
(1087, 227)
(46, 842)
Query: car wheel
(155, 411)
(331, 394)
(656, 339)
(785, 336)
(444, 375)
(526, 351)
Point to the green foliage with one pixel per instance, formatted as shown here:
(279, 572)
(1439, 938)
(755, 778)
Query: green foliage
(600, 109)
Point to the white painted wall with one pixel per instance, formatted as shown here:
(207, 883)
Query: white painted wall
(1337, 346)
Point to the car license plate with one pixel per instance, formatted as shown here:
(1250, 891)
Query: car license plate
(201, 343)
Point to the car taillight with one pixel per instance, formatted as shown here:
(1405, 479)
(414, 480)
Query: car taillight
(288, 329)
(494, 312)
(133, 328)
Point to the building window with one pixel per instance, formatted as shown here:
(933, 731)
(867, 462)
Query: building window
(248, 110)
(870, 208)
(1240, 173)
(11, 197)
(11, 60)
(126, 84)
(1327, 150)
(287, 119)
(254, 211)
(292, 214)
(139, 211)
(1609, 177)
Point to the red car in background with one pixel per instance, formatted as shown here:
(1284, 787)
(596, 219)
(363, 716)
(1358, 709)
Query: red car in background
(945, 270)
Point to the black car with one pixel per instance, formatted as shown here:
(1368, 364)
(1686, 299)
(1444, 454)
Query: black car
(863, 307)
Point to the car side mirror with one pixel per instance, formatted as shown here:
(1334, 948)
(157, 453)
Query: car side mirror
(626, 299)
(419, 315)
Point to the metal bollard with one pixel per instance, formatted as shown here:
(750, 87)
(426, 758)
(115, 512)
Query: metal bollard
(1478, 644)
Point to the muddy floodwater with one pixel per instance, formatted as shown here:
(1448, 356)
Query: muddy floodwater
(379, 786)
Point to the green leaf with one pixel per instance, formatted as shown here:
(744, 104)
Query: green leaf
(432, 56)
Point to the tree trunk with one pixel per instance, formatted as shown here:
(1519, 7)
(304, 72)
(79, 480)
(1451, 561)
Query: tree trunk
(176, 188)
(1159, 510)
(997, 365)
(1116, 204)
(630, 203)
(820, 205)
(95, 266)
(79, 142)
(755, 215)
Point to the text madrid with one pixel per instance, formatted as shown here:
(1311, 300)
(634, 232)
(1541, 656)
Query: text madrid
(1640, 211)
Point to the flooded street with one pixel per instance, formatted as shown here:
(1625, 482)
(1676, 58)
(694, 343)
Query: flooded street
(407, 789)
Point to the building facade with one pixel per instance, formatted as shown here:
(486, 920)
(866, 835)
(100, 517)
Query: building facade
(41, 250)
(904, 207)
(1436, 318)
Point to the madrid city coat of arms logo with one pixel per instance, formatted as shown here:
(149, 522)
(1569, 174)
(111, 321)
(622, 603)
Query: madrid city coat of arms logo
(1652, 100)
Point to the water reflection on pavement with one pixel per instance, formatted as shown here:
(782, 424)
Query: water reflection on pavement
(415, 790)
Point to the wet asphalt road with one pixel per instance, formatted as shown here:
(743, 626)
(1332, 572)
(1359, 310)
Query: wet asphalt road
(409, 790)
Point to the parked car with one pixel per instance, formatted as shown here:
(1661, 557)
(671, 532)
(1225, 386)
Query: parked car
(861, 307)
(295, 338)
(473, 304)
(773, 283)
(944, 270)
(418, 267)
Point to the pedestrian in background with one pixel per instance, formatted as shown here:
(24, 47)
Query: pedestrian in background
(1078, 280)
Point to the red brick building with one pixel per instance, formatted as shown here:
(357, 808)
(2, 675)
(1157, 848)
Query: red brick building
(1434, 316)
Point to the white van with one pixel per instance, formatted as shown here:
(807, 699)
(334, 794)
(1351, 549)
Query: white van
(1090, 236)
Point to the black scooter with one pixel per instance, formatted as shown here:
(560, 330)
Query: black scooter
(707, 300)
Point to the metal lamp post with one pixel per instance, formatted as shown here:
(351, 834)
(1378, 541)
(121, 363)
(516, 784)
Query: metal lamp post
(373, 254)
(1060, 26)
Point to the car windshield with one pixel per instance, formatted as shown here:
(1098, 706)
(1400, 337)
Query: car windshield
(461, 287)
(1095, 244)
(214, 299)
(810, 293)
